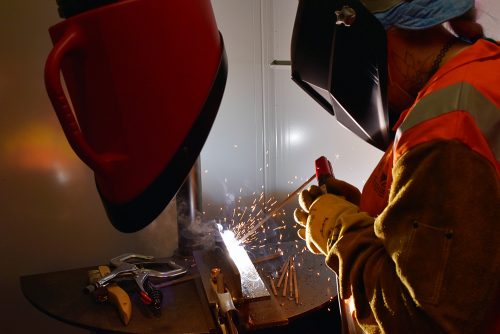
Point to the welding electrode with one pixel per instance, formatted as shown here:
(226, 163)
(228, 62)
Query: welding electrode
(271, 213)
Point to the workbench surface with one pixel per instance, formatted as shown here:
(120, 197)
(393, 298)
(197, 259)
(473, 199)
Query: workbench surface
(185, 308)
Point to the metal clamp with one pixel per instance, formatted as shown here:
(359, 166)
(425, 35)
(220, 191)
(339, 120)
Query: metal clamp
(137, 271)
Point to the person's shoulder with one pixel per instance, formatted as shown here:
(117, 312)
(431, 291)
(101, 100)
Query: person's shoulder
(491, 40)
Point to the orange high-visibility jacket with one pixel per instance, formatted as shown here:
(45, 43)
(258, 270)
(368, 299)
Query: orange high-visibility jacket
(426, 259)
(461, 102)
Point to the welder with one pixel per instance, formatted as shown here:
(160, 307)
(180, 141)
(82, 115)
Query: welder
(417, 250)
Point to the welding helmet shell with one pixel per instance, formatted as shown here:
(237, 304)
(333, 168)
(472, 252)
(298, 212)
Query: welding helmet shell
(197, 74)
(339, 58)
(145, 78)
(339, 55)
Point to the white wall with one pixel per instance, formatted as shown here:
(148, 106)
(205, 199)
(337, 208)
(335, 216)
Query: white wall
(269, 132)
(232, 157)
(488, 14)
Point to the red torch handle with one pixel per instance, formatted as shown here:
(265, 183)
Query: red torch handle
(323, 170)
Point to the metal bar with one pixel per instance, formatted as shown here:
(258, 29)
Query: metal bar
(252, 285)
(285, 268)
(295, 284)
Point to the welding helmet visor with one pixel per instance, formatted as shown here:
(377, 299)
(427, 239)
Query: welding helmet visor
(339, 58)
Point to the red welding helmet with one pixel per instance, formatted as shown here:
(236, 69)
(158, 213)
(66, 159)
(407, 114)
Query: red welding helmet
(145, 78)
(339, 57)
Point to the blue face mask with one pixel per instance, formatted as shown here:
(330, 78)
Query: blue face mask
(423, 14)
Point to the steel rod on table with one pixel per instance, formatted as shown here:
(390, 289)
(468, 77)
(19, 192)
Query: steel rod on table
(283, 273)
(286, 281)
(296, 286)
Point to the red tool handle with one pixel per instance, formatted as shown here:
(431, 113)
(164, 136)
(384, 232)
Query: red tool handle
(323, 170)
(72, 40)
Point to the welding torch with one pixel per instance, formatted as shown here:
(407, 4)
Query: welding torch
(278, 207)
(323, 172)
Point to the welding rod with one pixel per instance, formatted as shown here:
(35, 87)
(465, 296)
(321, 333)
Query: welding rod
(275, 209)
(273, 287)
(283, 273)
(295, 283)
(284, 265)
(286, 281)
(267, 258)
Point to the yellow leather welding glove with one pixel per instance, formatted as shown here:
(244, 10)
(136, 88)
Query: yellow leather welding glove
(319, 213)
(343, 189)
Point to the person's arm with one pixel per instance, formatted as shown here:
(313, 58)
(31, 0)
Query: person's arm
(430, 262)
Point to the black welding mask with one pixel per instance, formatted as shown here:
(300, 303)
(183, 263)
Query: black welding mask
(339, 57)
